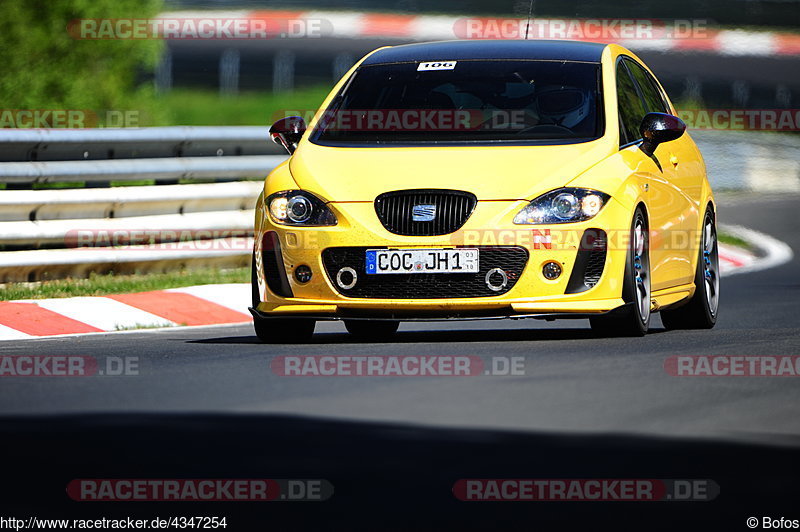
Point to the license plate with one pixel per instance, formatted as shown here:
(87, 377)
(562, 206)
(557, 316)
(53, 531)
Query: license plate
(422, 261)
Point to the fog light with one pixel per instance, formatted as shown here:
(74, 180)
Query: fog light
(346, 278)
(551, 271)
(303, 274)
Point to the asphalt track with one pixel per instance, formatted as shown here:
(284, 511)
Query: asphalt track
(206, 404)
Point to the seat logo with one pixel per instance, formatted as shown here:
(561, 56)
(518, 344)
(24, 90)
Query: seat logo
(423, 213)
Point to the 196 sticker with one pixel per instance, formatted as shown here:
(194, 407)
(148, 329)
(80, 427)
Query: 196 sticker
(437, 65)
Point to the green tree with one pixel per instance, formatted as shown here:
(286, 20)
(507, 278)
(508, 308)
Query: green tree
(45, 66)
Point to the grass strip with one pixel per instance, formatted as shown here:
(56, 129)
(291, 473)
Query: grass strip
(104, 284)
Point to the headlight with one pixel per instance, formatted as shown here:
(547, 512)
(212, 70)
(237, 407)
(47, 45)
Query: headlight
(298, 207)
(564, 205)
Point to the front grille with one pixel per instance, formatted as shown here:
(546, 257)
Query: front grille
(511, 259)
(452, 209)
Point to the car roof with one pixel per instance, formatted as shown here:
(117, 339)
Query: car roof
(489, 49)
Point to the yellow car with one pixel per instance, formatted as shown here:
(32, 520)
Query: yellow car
(487, 179)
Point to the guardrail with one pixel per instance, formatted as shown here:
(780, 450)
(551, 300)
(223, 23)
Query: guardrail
(183, 168)
(161, 225)
(133, 143)
(40, 229)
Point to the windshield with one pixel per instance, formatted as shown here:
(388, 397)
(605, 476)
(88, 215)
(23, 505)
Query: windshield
(466, 101)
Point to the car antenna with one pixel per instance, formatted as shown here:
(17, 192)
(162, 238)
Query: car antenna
(528, 24)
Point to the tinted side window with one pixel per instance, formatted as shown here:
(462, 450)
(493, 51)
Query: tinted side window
(650, 92)
(631, 109)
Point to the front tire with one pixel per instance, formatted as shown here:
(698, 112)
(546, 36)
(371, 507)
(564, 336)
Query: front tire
(634, 318)
(702, 309)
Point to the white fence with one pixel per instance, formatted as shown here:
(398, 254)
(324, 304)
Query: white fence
(60, 232)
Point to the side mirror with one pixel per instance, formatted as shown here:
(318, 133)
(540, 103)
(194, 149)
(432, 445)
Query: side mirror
(287, 132)
(657, 128)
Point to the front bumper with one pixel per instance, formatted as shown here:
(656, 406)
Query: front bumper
(398, 315)
(489, 226)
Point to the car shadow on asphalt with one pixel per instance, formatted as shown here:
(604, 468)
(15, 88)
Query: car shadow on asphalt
(441, 336)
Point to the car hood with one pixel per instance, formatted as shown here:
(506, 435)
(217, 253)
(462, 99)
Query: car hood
(491, 173)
